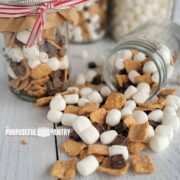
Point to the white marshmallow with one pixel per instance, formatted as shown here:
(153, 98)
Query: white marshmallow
(71, 98)
(68, 119)
(108, 137)
(125, 54)
(43, 57)
(31, 52)
(95, 97)
(58, 103)
(85, 91)
(23, 36)
(80, 79)
(105, 91)
(54, 115)
(155, 77)
(119, 150)
(90, 75)
(119, 64)
(130, 91)
(11, 72)
(82, 102)
(16, 54)
(126, 111)
(113, 117)
(144, 87)
(64, 63)
(164, 130)
(156, 115)
(81, 123)
(95, 18)
(53, 63)
(149, 67)
(130, 104)
(140, 116)
(169, 109)
(140, 97)
(90, 135)
(159, 143)
(171, 120)
(33, 63)
(87, 166)
(139, 57)
(132, 75)
(149, 133)
(173, 101)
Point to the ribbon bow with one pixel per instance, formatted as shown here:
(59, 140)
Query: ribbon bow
(36, 33)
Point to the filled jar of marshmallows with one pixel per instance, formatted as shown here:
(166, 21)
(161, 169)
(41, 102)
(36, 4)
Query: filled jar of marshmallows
(40, 69)
(144, 61)
(129, 15)
(92, 22)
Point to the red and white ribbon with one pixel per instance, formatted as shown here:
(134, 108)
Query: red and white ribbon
(36, 33)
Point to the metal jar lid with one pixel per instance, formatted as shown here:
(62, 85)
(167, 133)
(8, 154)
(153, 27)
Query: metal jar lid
(23, 2)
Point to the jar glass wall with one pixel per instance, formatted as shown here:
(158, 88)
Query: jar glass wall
(147, 55)
(41, 70)
(92, 22)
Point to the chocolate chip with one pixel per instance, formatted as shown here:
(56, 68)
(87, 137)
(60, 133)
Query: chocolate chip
(120, 128)
(97, 80)
(57, 83)
(73, 135)
(86, 8)
(88, 20)
(50, 86)
(59, 124)
(49, 49)
(62, 40)
(92, 65)
(13, 64)
(19, 70)
(62, 51)
(99, 127)
(117, 161)
(154, 124)
(55, 74)
(120, 140)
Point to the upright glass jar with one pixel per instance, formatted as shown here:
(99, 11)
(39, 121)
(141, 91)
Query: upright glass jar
(145, 56)
(92, 22)
(40, 70)
(128, 15)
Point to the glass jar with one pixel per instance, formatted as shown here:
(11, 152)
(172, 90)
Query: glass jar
(40, 70)
(129, 15)
(147, 55)
(92, 22)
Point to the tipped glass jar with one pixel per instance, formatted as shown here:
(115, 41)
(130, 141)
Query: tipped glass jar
(143, 62)
(92, 22)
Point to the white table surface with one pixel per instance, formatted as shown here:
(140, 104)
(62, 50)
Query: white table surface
(33, 161)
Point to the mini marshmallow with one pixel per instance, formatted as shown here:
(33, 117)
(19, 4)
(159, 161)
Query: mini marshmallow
(16, 54)
(108, 137)
(53, 63)
(90, 75)
(164, 130)
(171, 120)
(149, 67)
(113, 117)
(90, 135)
(81, 123)
(140, 97)
(159, 143)
(11, 72)
(80, 79)
(140, 116)
(58, 103)
(132, 75)
(126, 111)
(54, 115)
(119, 150)
(82, 102)
(169, 109)
(71, 98)
(33, 63)
(95, 18)
(144, 87)
(155, 77)
(130, 91)
(68, 119)
(95, 97)
(130, 104)
(139, 57)
(105, 91)
(87, 166)
(149, 133)
(64, 63)
(85, 91)
(119, 64)
(126, 54)
(23, 36)
(173, 101)
(156, 115)
(31, 52)
(43, 57)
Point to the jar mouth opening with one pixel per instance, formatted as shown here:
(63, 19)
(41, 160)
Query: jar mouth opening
(148, 48)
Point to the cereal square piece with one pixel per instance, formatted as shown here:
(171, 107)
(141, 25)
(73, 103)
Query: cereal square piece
(122, 79)
(128, 121)
(142, 164)
(98, 116)
(132, 65)
(64, 169)
(72, 148)
(144, 78)
(167, 92)
(43, 101)
(137, 133)
(88, 108)
(106, 168)
(135, 148)
(71, 109)
(115, 101)
(98, 149)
